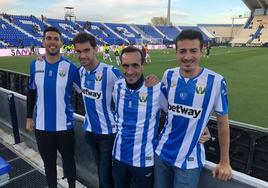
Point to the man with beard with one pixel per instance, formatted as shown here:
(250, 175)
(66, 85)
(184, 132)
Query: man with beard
(50, 88)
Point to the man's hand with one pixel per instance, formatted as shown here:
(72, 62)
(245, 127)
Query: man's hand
(222, 171)
(205, 136)
(29, 124)
(151, 80)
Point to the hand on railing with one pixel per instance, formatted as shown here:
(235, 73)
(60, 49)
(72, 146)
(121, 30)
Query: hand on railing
(223, 172)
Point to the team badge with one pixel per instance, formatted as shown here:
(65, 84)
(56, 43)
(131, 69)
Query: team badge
(62, 72)
(98, 77)
(200, 89)
(143, 97)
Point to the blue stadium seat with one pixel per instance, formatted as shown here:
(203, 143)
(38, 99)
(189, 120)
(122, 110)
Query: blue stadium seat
(170, 31)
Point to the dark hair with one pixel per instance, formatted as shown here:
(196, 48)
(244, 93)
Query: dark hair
(191, 35)
(50, 28)
(85, 37)
(133, 49)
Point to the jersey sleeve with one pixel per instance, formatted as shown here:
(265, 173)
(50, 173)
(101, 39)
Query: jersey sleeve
(163, 98)
(32, 84)
(118, 75)
(76, 79)
(221, 102)
(164, 78)
(114, 75)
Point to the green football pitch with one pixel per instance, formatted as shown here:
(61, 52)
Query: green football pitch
(245, 69)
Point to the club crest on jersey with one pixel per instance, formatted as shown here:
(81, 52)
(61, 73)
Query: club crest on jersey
(143, 97)
(62, 73)
(200, 89)
(98, 77)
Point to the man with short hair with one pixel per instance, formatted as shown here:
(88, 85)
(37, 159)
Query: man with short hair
(50, 88)
(193, 93)
(137, 110)
(97, 81)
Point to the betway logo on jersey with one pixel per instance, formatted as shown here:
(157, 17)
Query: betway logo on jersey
(92, 94)
(185, 111)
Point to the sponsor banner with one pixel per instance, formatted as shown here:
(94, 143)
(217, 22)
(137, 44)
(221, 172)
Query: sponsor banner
(27, 51)
(21, 51)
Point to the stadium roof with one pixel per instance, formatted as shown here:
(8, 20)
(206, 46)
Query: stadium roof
(254, 4)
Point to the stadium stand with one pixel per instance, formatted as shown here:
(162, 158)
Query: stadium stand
(149, 30)
(65, 28)
(145, 38)
(3, 44)
(248, 22)
(222, 32)
(170, 31)
(24, 31)
(206, 38)
(259, 21)
(30, 25)
(255, 29)
(244, 36)
(16, 36)
(101, 31)
(263, 37)
(125, 32)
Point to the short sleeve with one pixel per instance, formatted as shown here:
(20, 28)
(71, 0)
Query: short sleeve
(221, 101)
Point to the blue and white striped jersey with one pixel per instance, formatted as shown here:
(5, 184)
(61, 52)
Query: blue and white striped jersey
(190, 103)
(137, 117)
(54, 83)
(97, 86)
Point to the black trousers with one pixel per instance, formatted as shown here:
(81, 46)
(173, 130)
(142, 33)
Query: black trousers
(102, 146)
(48, 144)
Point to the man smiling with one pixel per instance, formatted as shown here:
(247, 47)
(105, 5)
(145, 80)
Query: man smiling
(50, 87)
(193, 93)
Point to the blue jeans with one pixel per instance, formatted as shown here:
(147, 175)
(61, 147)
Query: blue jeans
(169, 176)
(102, 146)
(126, 176)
